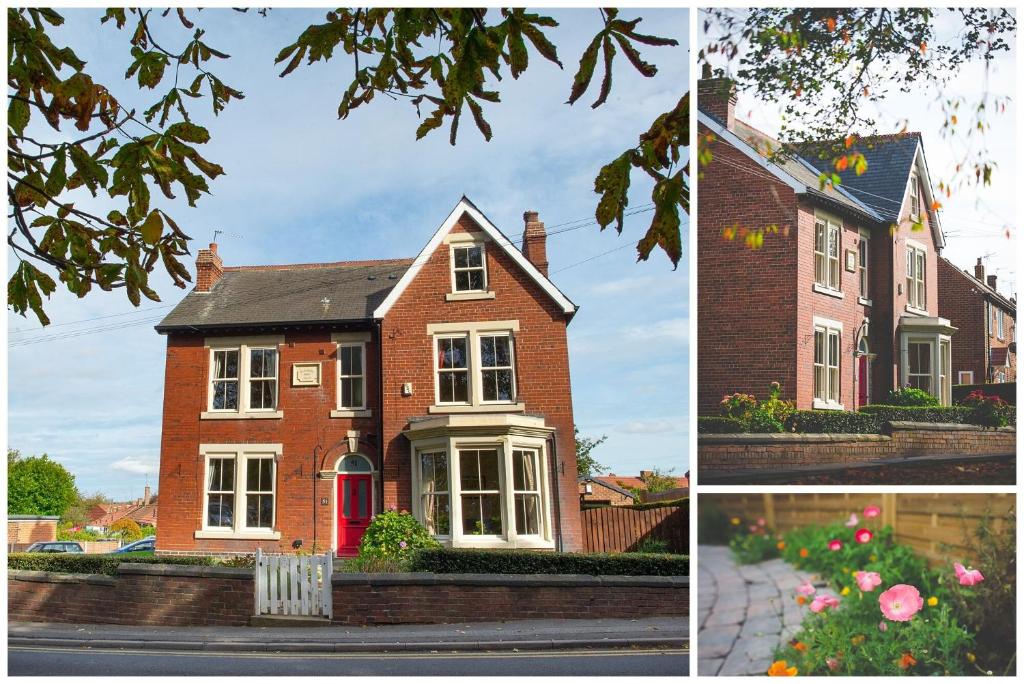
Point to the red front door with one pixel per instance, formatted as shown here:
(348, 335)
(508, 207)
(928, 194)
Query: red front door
(862, 381)
(354, 510)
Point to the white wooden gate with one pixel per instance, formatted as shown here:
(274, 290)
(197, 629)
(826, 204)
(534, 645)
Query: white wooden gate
(293, 585)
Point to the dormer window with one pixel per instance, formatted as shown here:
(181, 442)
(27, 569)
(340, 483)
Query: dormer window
(915, 198)
(468, 268)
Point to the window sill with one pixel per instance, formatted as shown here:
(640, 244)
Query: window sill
(481, 408)
(864, 302)
(491, 542)
(467, 296)
(238, 415)
(351, 413)
(821, 289)
(230, 534)
(827, 405)
(914, 310)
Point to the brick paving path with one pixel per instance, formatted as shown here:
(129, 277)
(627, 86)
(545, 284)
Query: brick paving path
(743, 612)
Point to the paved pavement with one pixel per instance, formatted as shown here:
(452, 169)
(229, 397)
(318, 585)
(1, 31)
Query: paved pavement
(489, 636)
(744, 612)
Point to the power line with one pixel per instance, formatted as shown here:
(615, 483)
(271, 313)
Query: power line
(89, 320)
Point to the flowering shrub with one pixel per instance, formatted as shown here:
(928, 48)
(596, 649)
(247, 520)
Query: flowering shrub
(768, 415)
(988, 410)
(910, 396)
(395, 535)
(737, 405)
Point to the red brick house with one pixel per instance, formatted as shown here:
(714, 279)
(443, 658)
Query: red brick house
(986, 348)
(301, 400)
(840, 305)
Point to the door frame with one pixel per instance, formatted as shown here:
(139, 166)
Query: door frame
(373, 473)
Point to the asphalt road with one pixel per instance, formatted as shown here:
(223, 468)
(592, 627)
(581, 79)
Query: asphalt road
(25, 661)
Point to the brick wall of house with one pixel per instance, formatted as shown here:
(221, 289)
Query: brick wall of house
(747, 299)
(541, 357)
(996, 342)
(311, 441)
(24, 533)
(964, 306)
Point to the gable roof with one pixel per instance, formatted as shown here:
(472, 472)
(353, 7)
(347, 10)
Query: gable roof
(465, 206)
(292, 294)
(608, 485)
(982, 287)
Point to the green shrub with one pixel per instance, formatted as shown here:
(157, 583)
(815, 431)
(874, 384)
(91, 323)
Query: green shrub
(374, 564)
(832, 422)
(126, 529)
(910, 396)
(737, 405)
(95, 564)
(712, 523)
(395, 535)
(918, 414)
(718, 425)
(754, 547)
(761, 421)
(460, 561)
(988, 410)
(651, 545)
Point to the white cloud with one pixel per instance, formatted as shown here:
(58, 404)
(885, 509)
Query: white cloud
(131, 464)
(622, 285)
(677, 329)
(653, 426)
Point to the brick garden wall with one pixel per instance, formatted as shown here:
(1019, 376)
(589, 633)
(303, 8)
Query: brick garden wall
(721, 454)
(184, 596)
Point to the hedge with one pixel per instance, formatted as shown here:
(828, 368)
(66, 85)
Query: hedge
(719, 425)
(94, 564)
(919, 414)
(521, 562)
(840, 422)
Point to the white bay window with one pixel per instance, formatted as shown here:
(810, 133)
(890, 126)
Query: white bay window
(827, 364)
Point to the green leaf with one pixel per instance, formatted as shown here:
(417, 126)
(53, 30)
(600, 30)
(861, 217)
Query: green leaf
(478, 116)
(152, 228)
(668, 196)
(586, 71)
(612, 183)
(18, 114)
(189, 132)
(606, 83)
(540, 41)
(58, 177)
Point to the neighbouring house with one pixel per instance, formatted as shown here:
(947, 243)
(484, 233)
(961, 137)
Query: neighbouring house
(621, 490)
(25, 530)
(840, 305)
(143, 511)
(986, 348)
(302, 399)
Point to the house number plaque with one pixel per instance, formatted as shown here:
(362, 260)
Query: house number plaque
(306, 374)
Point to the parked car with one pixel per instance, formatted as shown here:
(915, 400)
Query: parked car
(55, 547)
(147, 544)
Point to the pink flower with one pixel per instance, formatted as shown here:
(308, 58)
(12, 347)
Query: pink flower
(806, 588)
(835, 545)
(833, 663)
(863, 535)
(900, 602)
(822, 602)
(402, 545)
(882, 626)
(753, 528)
(867, 581)
(967, 577)
(852, 522)
(761, 522)
(872, 512)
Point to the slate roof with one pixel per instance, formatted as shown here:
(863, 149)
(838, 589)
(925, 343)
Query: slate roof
(292, 294)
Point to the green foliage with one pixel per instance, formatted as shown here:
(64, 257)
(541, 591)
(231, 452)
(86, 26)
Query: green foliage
(586, 463)
(755, 546)
(126, 529)
(834, 422)
(651, 545)
(521, 562)
(64, 533)
(989, 410)
(38, 486)
(768, 415)
(658, 480)
(737, 405)
(918, 414)
(147, 531)
(78, 513)
(910, 396)
(762, 421)
(719, 425)
(114, 152)
(395, 535)
(96, 564)
(988, 609)
(375, 564)
(712, 523)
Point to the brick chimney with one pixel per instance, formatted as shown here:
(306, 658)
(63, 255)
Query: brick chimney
(992, 282)
(979, 270)
(535, 242)
(717, 96)
(209, 268)
(146, 496)
(645, 474)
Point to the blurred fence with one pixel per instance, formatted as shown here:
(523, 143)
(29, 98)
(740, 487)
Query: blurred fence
(925, 522)
(617, 528)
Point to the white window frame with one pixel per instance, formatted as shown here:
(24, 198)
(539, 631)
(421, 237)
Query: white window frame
(999, 322)
(917, 277)
(864, 267)
(343, 339)
(240, 454)
(535, 493)
(915, 197)
(361, 377)
(931, 374)
(501, 492)
(472, 332)
(831, 396)
(421, 496)
(243, 345)
(249, 378)
(1000, 376)
(511, 368)
(468, 244)
(468, 370)
(214, 380)
(505, 445)
(828, 271)
(960, 377)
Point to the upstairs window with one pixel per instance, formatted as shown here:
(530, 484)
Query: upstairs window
(862, 266)
(351, 380)
(243, 378)
(915, 199)
(262, 379)
(452, 370)
(468, 268)
(225, 380)
(999, 322)
(916, 267)
(826, 254)
(496, 374)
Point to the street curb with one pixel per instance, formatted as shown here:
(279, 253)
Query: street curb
(353, 647)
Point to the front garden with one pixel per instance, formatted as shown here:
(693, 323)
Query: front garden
(876, 607)
(744, 413)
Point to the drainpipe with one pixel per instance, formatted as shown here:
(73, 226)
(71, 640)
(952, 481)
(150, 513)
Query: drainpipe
(558, 503)
(380, 412)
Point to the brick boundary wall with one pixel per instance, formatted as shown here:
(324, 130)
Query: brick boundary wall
(722, 454)
(182, 596)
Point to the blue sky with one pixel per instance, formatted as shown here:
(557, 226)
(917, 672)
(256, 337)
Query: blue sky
(302, 186)
(976, 219)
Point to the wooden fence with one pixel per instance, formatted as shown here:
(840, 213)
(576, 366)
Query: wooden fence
(934, 525)
(293, 585)
(616, 528)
